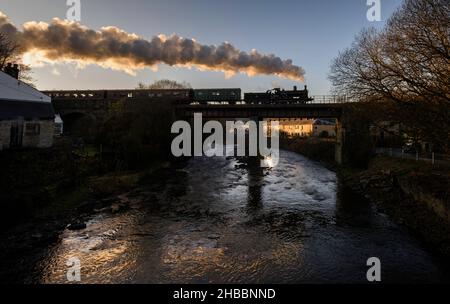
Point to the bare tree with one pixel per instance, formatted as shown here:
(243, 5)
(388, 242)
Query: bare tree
(10, 52)
(164, 84)
(405, 69)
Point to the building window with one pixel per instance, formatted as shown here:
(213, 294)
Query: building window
(33, 129)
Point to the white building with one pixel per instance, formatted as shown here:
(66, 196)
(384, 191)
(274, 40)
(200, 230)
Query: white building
(324, 128)
(26, 115)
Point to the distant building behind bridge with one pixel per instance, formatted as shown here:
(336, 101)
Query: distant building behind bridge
(307, 127)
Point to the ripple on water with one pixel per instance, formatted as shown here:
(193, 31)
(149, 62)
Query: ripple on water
(240, 225)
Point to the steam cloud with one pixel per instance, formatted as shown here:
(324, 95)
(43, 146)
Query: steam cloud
(114, 48)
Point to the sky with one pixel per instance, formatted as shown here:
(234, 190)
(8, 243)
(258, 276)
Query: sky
(310, 32)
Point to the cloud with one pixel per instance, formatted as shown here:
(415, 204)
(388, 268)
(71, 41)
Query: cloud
(111, 47)
(56, 72)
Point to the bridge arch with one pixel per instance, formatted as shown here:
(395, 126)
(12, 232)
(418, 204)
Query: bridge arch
(79, 124)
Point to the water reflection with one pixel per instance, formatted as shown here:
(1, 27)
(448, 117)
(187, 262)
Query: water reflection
(224, 220)
(100, 248)
(255, 175)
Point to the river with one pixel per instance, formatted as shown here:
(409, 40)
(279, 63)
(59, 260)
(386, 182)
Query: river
(217, 220)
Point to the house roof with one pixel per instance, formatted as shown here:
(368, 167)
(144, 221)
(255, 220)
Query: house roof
(323, 122)
(13, 89)
(17, 99)
(296, 121)
(13, 109)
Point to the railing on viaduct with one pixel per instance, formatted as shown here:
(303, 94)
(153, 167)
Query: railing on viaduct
(114, 95)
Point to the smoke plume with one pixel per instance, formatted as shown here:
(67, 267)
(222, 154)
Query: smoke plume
(114, 48)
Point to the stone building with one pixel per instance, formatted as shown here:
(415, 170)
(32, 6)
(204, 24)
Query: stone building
(307, 127)
(26, 115)
(324, 128)
(297, 127)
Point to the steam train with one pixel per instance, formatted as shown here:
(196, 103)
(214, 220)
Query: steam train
(279, 96)
(190, 96)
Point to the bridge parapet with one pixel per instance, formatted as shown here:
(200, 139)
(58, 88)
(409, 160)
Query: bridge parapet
(332, 99)
(313, 111)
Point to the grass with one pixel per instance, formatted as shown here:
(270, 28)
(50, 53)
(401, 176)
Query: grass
(105, 185)
(64, 204)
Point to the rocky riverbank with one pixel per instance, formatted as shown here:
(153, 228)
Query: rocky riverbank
(99, 194)
(416, 195)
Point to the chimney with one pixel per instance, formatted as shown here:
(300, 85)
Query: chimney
(15, 71)
(12, 70)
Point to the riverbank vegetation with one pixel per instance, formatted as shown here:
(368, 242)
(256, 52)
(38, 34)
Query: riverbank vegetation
(415, 194)
(136, 138)
(52, 183)
(318, 149)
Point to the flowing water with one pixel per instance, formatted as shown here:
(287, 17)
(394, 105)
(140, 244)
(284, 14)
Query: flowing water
(217, 220)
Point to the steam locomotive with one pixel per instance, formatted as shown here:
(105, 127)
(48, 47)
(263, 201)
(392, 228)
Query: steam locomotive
(233, 96)
(279, 96)
(190, 96)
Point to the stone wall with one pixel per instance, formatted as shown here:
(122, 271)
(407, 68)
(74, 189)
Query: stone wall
(5, 133)
(41, 139)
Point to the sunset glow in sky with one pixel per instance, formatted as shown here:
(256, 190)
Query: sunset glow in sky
(310, 33)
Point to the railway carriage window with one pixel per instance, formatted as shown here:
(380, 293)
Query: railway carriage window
(130, 95)
(151, 95)
(159, 95)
